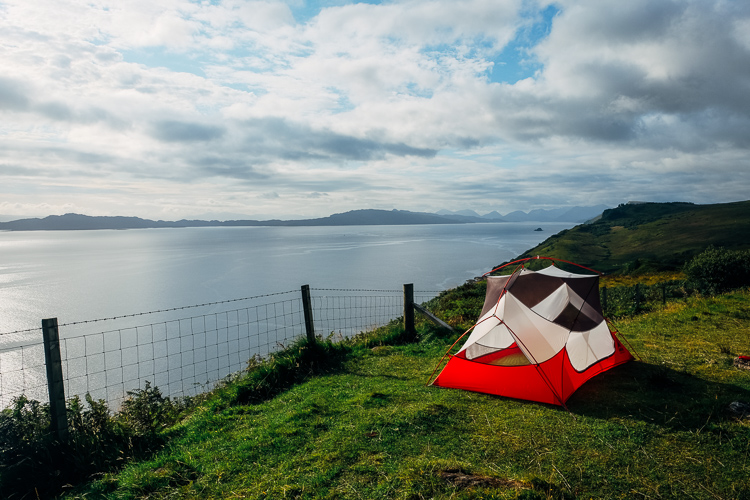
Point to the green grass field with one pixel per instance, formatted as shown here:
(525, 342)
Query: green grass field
(366, 426)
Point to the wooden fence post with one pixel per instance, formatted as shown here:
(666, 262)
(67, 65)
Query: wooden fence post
(604, 300)
(409, 310)
(307, 307)
(434, 318)
(58, 415)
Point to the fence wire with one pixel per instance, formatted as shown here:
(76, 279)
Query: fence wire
(347, 315)
(23, 371)
(182, 357)
(189, 355)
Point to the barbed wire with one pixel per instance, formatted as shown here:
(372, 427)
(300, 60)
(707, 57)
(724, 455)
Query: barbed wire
(22, 331)
(174, 309)
(184, 353)
(368, 290)
(354, 290)
(157, 311)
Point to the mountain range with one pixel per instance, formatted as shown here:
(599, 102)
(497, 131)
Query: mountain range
(565, 214)
(355, 217)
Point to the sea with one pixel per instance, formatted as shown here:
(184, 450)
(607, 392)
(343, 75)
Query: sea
(83, 275)
(80, 277)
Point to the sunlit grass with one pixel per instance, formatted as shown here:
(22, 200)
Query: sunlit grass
(612, 280)
(369, 428)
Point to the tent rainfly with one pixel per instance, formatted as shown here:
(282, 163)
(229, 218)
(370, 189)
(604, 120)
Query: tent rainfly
(540, 336)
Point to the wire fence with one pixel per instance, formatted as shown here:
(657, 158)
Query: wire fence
(185, 356)
(620, 301)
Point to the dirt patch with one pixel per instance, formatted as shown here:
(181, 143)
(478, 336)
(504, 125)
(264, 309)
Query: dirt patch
(462, 479)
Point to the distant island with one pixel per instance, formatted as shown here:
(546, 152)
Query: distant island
(71, 222)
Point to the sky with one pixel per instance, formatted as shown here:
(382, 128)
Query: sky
(166, 109)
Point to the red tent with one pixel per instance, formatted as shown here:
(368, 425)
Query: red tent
(540, 336)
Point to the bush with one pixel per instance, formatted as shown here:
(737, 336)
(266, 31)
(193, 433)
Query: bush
(718, 270)
(282, 369)
(146, 411)
(33, 464)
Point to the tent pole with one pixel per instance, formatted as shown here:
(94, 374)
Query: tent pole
(536, 367)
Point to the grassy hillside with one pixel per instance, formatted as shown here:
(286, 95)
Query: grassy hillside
(650, 236)
(355, 420)
(370, 428)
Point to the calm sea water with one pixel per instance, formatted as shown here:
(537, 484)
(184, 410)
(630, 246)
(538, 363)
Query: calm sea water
(80, 276)
(83, 275)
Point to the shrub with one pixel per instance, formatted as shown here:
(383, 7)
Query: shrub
(718, 270)
(146, 411)
(26, 448)
(33, 464)
(282, 369)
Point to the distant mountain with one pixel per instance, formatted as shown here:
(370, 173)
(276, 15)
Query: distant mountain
(355, 217)
(69, 222)
(6, 218)
(77, 222)
(494, 215)
(565, 214)
(224, 216)
(370, 217)
(568, 214)
(470, 216)
(516, 216)
(467, 213)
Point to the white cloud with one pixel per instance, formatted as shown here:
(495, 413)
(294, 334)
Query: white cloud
(152, 106)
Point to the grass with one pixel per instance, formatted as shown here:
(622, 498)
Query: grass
(365, 425)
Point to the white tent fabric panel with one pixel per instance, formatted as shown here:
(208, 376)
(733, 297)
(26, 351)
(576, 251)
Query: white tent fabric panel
(497, 339)
(490, 331)
(551, 307)
(579, 303)
(586, 348)
(538, 338)
(559, 273)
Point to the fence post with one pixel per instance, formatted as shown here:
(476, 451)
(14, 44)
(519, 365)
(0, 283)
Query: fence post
(307, 307)
(58, 416)
(604, 300)
(409, 310)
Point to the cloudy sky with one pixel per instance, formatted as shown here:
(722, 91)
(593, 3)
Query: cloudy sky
(173, 108)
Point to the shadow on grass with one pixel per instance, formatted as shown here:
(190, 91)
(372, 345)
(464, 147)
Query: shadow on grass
(299, 362)
(302, 360)
(656, 394)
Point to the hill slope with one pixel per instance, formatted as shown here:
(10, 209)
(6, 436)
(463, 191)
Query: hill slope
(660, 236)
(369, 428)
